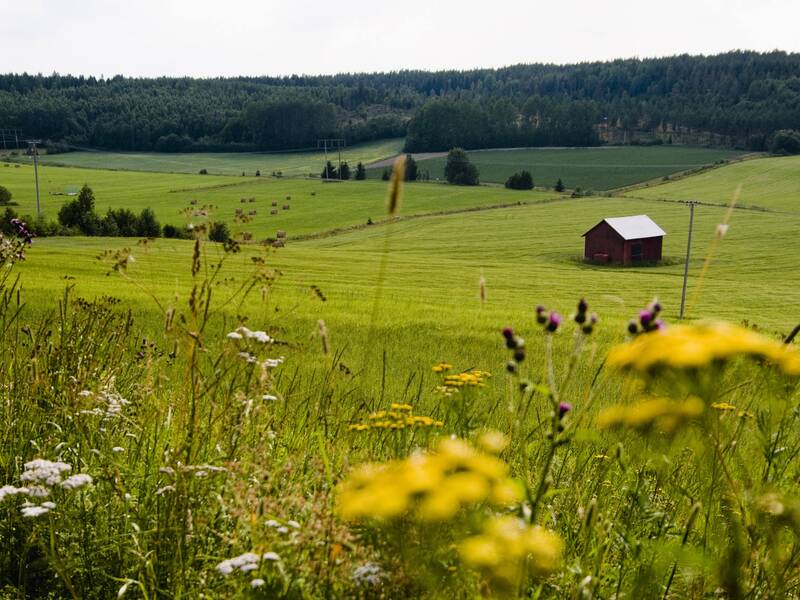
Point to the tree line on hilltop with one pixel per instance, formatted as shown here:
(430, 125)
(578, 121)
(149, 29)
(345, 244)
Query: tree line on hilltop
(738, 98)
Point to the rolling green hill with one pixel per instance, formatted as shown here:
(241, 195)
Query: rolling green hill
(770, 183)
(226, 163)
(314, 205)
(601, 168)
(358, 318)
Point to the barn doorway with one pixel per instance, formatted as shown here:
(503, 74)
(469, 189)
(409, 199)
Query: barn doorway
(636, 252)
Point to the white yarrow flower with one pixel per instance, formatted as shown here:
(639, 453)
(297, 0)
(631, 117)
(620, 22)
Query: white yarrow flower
(271, 556)
(233, 335)
(32, 511)
(261, 336)
(76, 481)
(369, 574)
(256, 583)
(44, 471)
(10, 490)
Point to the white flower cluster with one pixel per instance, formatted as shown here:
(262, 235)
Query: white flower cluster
(245, 333)
(250, 359)
(112, 404)
(44, 471)
(74, 482)
(41, 475)
(244, 562)
(368, 574)
(280, 527)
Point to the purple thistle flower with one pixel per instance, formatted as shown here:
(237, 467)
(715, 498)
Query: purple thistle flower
(508, 333)
(563, 408)
(645, 317)
(553, 322)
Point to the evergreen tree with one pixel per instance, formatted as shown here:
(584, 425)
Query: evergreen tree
(344, 171)
(329, 171)
(459, 170)
(559, 185)
(79, 213)
(361, 172)
(219, 232)
(148, 224)
(5, 195)
(520, 181)
(412, 171)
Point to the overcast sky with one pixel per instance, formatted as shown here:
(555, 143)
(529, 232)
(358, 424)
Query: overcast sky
(269, 37)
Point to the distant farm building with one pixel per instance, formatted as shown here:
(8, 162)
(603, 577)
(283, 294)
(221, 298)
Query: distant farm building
(624, 240)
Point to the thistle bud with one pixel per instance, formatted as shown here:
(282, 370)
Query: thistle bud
(553, 321)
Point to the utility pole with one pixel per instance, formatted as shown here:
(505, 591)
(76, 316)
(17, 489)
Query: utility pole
(35, 152)
(691, 204)
(332, 143)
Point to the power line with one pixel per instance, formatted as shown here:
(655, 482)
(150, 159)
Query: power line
(8, 136)
(332, 143)
(35, 151)
(691, 204)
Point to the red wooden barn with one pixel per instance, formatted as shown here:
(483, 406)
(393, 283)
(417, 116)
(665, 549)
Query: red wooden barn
(624, 240)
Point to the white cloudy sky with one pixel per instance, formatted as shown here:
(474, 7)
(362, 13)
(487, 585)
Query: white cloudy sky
(253, 37)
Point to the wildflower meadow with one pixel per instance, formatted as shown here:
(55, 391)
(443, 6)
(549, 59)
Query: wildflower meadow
(226, 455)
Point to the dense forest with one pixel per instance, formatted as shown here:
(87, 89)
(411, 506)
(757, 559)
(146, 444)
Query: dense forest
(737, 99)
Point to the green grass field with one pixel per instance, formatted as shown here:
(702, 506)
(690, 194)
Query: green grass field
(528, 254)
(587, 168)
(314, 206)
(214, 456)
(770, 183)
(225, 163)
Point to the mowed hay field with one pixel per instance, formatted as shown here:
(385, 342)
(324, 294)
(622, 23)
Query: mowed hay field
(769, 183)
(314, 206)
(227, 163)
(430, 299)
(304, 441)
(597, 169)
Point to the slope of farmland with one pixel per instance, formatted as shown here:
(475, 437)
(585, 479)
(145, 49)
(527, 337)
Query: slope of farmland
(226, 163)
(527, 254)
(601, 168)
(313, 205)
(770, 183)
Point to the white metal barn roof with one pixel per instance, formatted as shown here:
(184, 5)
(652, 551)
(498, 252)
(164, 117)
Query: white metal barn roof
(635, 227)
